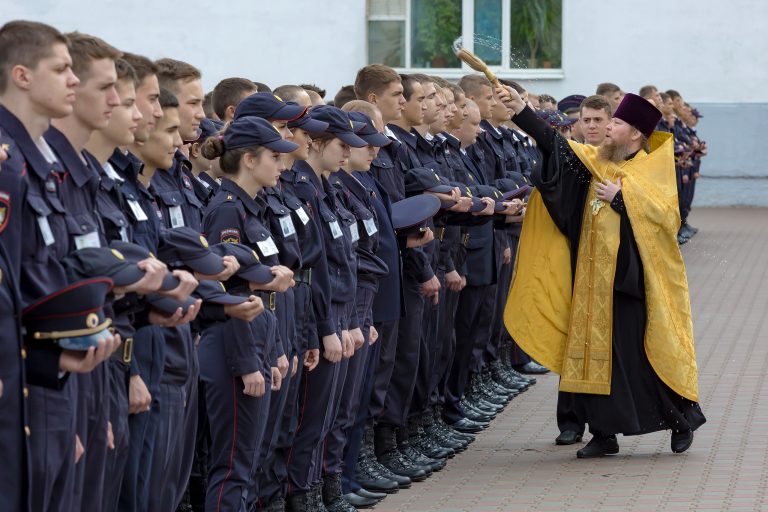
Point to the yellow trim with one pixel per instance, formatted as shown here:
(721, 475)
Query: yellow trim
(54, 335)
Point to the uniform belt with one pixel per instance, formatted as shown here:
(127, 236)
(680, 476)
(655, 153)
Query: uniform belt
(303, 276)
(124, 352)
(440, 233)
(465, 239)
(269, 299)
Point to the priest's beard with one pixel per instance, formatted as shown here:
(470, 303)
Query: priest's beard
(613, 152)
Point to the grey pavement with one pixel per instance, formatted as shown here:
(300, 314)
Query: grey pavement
(515, 465)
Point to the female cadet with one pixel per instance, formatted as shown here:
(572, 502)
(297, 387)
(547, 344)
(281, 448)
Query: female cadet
(236, 357)
(319, 398)
(370, 268)
(300, 243)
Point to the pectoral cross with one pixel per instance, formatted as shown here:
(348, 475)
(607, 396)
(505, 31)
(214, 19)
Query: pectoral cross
(596, 204)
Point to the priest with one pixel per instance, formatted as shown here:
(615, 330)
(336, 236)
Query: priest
(600, 293)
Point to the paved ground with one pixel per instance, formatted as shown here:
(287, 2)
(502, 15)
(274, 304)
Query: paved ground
(515, 464)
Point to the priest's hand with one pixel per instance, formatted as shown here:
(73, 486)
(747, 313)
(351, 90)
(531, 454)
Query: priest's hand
(510, 98)
(607, 190)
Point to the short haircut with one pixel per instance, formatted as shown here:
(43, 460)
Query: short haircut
(25, 43)
(511, 83)
(665, 96)
(374, 79)
(208, 105)
(456, 90)
(647, 91)
(141, 65)
(360, 106)
(596, 102)
(422, 78)
(606, 88)
(344, 96)
(171, 71)
(168, 99)
(126, 72)
(407, 81)
(312, 87)
(84, 49)
(673, 94)
(289, 92)
(546, 98)
(473, 84)
(440, 81)
(261, 87)
(229, 92)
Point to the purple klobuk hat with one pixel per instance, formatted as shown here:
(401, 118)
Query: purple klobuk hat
(638, 112)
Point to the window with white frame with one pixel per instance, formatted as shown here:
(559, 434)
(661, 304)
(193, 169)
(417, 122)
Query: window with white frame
(516, 38)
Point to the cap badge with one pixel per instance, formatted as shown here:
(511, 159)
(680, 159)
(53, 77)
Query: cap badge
(92, 320)
(118, 254)
(203, 241)
(255, 255)
(278, 97)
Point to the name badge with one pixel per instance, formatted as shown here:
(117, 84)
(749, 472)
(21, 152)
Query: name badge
(302, 215)
(370, 226)
(286, 224)
(267, 247)
(137, 210)
(177, 218)
(354, 232)
(45, 230)
(88, 240)
(335, 229)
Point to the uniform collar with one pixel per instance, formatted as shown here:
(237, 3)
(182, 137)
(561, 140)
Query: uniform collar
(250, 203)
(355, 187)
(305, 172)
(73, 163)
(403, 135)
(12, 127)
(490, 129)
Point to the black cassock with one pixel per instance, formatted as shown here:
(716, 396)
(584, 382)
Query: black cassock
(639, 401)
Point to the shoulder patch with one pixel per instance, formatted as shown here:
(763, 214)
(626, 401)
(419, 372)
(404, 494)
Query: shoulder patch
(231, 236)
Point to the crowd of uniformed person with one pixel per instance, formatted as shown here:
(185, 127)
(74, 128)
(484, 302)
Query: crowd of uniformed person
(247, 299)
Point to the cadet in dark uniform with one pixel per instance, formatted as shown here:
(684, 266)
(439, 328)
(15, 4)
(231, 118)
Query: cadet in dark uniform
(14, 482)
(318, 404)
(41, 218)
(249, 152)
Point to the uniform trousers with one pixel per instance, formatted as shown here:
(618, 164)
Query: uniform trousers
(236, 420)
(400, 391)
(336, 441)
(52, 451)
(273, 479)
(472, 331)
(316, 408)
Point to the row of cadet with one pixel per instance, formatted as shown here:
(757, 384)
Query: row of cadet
(285, 306)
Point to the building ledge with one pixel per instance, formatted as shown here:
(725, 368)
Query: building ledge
(511, 74)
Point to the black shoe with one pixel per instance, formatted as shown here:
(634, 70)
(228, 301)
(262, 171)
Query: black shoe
(431, 449)
(371, 495)
(532, 367)
(681, 441)
(567, 437)
(465, 404)
(357, 501)
(525, 378)
(599, 447)
(398, 464)
(368, 475)
(465, 425)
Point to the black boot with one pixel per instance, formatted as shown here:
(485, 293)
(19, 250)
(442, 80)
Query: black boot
(681, 440)
(301, 502)
(390, 457)
(368, 470)
(276, 504)
(405, 447)
(424, 444)
(331, 494)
